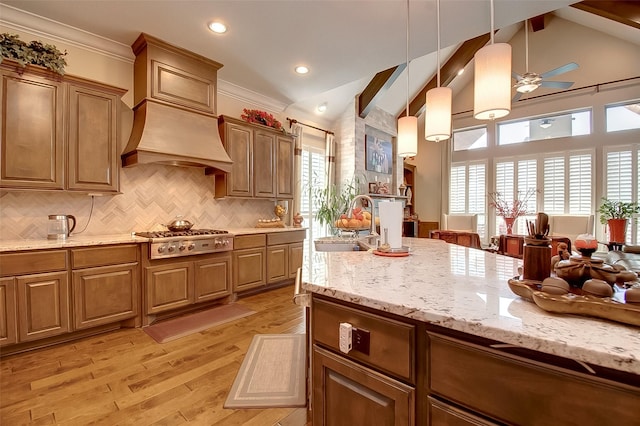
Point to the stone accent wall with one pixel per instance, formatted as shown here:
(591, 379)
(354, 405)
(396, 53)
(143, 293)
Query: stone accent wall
(151, 195)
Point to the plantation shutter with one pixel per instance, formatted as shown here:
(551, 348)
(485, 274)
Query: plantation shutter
(619, 175)
(553, 185)
(505, 187)
(477, 195)
(580, 189)
(457, 189)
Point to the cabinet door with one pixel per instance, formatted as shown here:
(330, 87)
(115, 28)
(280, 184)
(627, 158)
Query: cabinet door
(8, 332)
(296, 251)
(284, 169)
(168, 286)
(92, 140)
(104, 295)
(345, 393)
(277, 263)
(441, 414)
(248, 268)
(238, 140)
(32, 132)
(264, 151)
(213, 278)
(43, 305)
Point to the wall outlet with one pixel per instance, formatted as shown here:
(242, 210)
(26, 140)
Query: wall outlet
(346, 332)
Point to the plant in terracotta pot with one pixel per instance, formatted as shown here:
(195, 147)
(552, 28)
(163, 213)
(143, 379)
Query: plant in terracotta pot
(616, 214)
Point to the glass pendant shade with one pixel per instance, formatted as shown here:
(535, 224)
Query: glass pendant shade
(492, 82)
(408, 136)
(437, 118)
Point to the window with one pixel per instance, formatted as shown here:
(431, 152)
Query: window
(467, 192)
(553, 126)
(515, 179)
(623, 117)
(567, 183)
(468, 139)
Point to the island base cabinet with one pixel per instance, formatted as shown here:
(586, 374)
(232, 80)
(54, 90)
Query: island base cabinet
(43, 305)
(442, 414)
(105, 295)
(516, 390)
(348, 394)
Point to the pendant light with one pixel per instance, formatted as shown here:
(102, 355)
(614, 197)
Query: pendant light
(437, 119)
(492, 81)
(408, 125)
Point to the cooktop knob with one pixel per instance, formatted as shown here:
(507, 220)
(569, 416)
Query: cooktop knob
(191, 246)
(161, 249)
(182, 247)
(171, 249)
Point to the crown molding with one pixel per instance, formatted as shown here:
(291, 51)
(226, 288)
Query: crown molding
(234, 91)
(21, 20)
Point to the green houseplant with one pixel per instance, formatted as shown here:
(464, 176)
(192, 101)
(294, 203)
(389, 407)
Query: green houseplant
(34, 52)
(333, 200)
(616, 214)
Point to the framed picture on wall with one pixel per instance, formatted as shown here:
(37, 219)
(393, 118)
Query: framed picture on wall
(378, 154)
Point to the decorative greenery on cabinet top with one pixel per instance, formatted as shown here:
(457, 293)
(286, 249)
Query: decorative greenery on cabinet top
(34, 53)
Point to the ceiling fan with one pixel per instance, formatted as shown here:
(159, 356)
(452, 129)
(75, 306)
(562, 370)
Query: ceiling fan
(530, 81)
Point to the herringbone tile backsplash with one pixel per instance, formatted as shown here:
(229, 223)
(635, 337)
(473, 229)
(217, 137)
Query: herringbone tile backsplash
(151, 196)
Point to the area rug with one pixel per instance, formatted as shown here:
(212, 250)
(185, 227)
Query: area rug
(176, 328)
(272, 373)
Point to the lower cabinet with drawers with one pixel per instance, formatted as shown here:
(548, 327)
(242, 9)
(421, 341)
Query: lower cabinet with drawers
(403, 372)
(48, 294)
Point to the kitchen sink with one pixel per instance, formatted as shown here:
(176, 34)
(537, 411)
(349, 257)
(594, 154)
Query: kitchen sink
(346, 243)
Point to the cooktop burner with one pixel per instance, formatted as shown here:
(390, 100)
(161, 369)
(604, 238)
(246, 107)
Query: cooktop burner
(187, 233)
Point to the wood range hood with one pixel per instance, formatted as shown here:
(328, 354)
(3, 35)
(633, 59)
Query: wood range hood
(175, 119)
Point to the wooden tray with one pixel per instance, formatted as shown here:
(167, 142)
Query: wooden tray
(578, 304)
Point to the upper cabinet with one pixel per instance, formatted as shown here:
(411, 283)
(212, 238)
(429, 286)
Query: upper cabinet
(262, 161)
(58, 133)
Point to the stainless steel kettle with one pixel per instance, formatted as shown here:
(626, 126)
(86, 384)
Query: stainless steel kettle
(58, 227)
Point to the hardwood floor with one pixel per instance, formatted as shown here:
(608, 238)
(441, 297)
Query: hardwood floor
(126, 378)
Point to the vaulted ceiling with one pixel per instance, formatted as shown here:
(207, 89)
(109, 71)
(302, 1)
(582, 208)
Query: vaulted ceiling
(352, 47)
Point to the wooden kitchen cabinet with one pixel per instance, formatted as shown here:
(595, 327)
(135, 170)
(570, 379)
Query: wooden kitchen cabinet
(213, 278)
(169, 286)
(277, 263)
(249, 262)
(43, 305)
(32, 128)
(92, 138)
(8, 320)
(284, 255)
(262, 161)
(105, 284)
(296, 252)
(46, 119)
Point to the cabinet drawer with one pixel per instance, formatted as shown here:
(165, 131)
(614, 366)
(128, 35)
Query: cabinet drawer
(445, 414)
(392, 343)
(516, 390)
(32, 262)
(101, 256)
(249, 241)
(286, 237)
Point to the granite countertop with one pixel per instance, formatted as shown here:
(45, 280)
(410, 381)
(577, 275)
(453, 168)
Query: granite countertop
(95, 240)
(466, 290)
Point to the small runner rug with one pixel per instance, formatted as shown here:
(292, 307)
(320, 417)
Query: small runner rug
(272, 373)
(176, 328)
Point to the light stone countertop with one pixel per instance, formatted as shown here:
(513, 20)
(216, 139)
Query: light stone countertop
(466, 290)
(95, 240)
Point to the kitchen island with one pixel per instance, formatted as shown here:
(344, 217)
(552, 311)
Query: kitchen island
(438, 337)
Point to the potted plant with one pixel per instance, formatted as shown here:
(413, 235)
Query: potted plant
(332, 201)
(34, 53)
(616, 214)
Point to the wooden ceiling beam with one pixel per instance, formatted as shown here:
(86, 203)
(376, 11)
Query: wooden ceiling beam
(624, 11)
(448, 72)
(537, 23)
(377, 87)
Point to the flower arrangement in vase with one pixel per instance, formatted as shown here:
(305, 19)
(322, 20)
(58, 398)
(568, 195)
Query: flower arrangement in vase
(510, 210)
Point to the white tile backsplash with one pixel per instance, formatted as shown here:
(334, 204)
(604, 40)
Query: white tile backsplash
(151, 195)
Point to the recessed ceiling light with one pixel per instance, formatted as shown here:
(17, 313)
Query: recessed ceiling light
(322, 107)
(218, 27)
(301, 69)
(461, 71)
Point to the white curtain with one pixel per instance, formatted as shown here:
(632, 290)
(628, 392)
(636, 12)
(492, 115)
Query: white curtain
(330, 157)
(296, 129)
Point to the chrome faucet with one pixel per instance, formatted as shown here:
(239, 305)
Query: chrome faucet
(372, 231)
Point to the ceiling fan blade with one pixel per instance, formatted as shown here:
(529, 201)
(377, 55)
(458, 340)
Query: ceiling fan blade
(516, 96)
(515, 75)
(557, 84)
(565, 68)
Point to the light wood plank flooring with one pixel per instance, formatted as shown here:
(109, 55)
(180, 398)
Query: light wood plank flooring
(126, 378)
